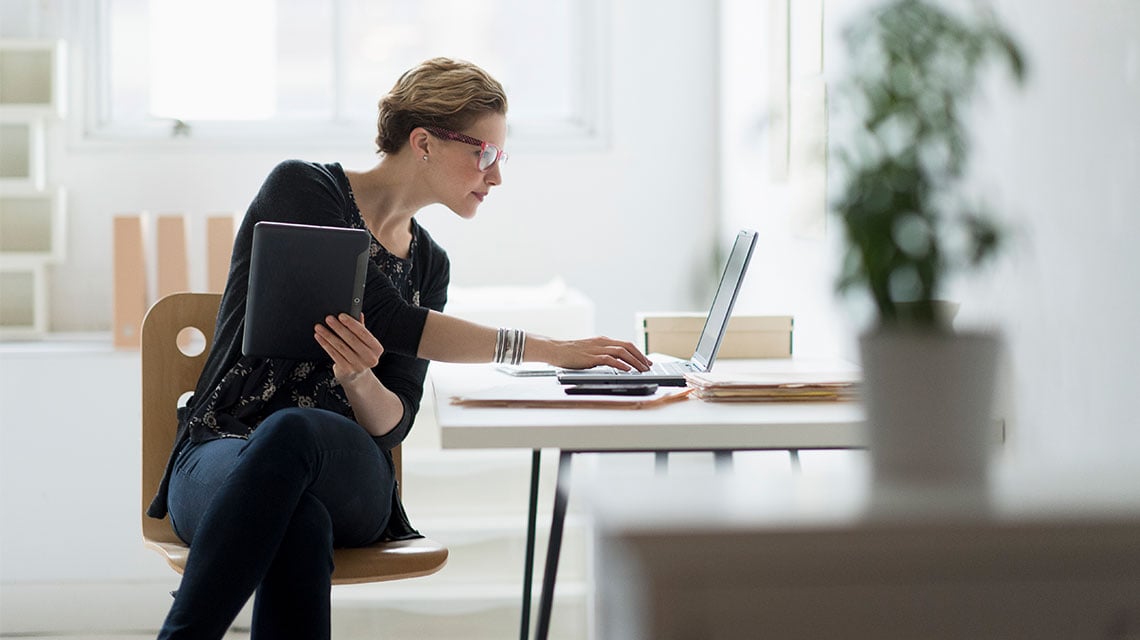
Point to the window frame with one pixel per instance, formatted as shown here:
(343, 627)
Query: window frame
(586, 129)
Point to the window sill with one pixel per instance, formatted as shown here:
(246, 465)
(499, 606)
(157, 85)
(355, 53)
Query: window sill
(564, 136)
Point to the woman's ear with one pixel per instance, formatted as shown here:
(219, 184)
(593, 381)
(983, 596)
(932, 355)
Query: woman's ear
(418, 141)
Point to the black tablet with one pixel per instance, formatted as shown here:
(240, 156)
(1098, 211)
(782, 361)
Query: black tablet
(298, 275)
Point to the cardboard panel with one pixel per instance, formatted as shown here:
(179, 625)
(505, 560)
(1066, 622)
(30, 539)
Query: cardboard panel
(219, 246)
(130, 281)
(676, 334)
(171, 255)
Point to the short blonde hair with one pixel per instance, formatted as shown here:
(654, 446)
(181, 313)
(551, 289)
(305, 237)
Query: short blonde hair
(440, 92)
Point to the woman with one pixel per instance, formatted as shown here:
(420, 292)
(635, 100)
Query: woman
(277, 461)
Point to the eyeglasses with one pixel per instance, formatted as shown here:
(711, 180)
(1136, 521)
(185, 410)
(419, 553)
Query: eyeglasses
(489, 153)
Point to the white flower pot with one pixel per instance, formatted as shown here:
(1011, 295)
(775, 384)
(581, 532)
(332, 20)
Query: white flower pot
(929, 399)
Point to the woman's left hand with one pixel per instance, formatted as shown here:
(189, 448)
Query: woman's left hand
(352, 347)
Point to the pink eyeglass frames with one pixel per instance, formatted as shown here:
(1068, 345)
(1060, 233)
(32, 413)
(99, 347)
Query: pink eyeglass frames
(489, 153)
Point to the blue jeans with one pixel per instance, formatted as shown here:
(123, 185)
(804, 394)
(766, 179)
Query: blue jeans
(265, 513)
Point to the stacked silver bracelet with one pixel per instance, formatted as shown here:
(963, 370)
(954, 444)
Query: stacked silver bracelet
(509, 345)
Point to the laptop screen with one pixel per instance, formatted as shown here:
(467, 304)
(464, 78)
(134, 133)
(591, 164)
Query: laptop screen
(725, 298)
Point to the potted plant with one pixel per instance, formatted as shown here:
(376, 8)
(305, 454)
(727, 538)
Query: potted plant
(914, 66)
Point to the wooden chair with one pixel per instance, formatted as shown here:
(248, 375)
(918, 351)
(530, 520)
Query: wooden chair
(167, 374)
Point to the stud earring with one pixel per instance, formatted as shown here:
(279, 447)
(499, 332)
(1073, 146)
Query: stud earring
(425, 158)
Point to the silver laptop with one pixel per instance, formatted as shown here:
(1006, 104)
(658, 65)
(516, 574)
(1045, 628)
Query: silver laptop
(672, 373)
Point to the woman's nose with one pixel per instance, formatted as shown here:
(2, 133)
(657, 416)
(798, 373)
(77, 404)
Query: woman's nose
(494, 176)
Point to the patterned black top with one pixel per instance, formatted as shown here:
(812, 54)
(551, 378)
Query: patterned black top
(254, 388)
(236, 392)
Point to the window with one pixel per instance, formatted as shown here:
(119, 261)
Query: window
(225, 70)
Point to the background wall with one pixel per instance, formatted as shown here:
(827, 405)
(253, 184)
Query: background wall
(560, 213)
(1062, 159)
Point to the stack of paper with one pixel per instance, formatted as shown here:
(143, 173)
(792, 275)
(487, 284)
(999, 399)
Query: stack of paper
(774, 387)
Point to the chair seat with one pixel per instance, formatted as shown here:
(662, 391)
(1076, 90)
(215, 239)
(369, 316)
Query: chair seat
(391, 560)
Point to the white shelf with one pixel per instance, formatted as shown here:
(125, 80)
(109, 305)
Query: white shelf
(32, 228)
(31, 78)
(21, 152)
(23, 302)
(31, 214)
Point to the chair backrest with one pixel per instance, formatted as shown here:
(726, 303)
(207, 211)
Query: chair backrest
(173, 354)
(169, 373)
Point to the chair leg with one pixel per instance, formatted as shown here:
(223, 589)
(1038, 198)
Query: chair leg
(723, 461)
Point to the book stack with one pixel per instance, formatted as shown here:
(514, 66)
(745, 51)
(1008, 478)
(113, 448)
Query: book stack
(774, 387)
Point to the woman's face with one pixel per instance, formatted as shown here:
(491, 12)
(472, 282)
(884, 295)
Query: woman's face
(463, 185)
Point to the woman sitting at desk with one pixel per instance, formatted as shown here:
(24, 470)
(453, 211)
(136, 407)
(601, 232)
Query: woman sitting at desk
(277, 461)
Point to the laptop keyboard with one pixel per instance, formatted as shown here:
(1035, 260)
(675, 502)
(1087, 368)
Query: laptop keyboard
(670, 368)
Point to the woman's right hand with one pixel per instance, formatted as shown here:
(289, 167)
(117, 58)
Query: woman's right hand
(355, 352)
(352, 347)
(586, 353)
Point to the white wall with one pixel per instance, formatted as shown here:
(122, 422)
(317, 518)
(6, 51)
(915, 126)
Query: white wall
(1062, 158)
(791, 272)
(655, 182)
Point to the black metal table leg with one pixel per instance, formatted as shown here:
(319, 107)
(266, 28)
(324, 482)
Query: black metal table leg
(531, 521)
(554, 546)
(723, 461)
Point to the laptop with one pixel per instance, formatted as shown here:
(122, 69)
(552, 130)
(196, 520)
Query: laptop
(672, 373)
(298, 275)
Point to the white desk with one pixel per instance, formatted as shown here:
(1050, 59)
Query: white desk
(691, 425)
(796, 557)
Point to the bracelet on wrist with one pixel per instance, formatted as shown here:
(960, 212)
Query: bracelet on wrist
(509, 346)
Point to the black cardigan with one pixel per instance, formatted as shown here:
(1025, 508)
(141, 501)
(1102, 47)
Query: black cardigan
(319, 194)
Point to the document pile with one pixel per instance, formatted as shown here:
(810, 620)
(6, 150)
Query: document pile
(774, 387)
